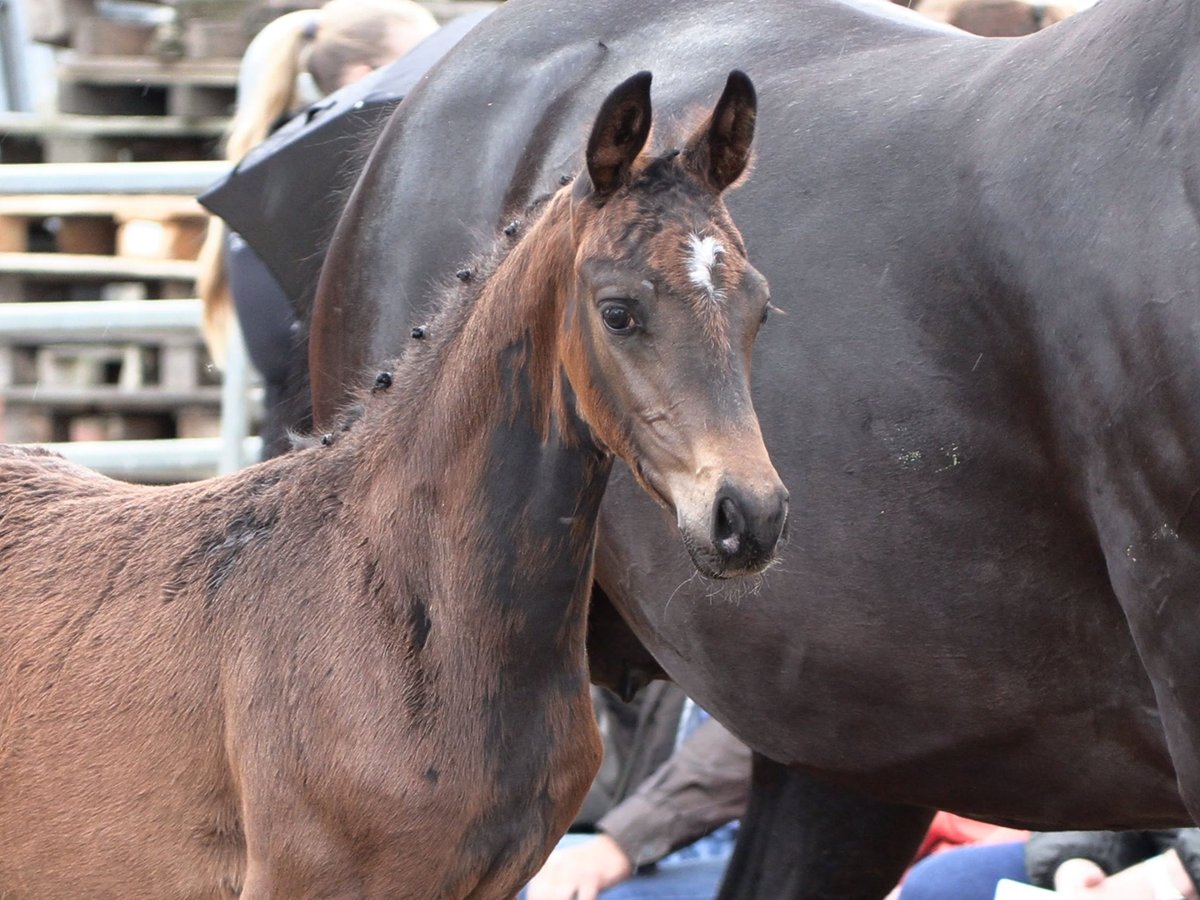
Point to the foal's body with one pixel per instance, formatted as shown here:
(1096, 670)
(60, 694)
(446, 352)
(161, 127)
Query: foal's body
(362, 661)
(359, 670)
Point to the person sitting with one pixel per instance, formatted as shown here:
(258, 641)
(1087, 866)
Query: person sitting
(1119, 865)
(1122, 865)
(658, 823)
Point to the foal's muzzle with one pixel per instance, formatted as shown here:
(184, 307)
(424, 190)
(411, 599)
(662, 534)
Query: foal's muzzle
(744, 528)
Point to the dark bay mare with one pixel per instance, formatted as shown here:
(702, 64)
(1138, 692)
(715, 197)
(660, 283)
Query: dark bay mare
(359, 669)
(982, 397)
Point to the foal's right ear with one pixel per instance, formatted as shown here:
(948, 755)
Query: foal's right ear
(619, 134)
(719, 151)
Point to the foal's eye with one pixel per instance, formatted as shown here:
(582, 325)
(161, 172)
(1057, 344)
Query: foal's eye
(765, 313)
(618, 319)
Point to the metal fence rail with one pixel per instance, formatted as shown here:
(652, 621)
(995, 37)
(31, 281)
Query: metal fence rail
(111, 178)
(137, 320)
(165, 460)
(99, 320)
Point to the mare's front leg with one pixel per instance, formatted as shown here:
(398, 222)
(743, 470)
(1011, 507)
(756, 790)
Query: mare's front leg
(803, 839)
(1161, 602)
(1148, 521)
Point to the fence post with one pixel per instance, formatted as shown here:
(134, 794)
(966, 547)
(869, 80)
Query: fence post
(235, 419)
(17, 95)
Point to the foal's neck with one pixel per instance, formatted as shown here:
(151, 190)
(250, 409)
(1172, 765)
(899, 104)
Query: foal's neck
(479, 468)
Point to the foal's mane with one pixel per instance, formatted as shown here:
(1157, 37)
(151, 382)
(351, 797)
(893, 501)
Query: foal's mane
(456, 296)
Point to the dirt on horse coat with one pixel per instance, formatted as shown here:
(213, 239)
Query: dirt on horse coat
(360, 669)
(982, 397)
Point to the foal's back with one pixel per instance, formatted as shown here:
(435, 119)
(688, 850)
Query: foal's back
(180, 674)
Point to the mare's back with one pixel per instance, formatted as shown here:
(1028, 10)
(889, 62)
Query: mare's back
(456, 155)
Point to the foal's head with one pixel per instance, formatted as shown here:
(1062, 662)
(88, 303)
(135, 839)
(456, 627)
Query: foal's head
(662, 321)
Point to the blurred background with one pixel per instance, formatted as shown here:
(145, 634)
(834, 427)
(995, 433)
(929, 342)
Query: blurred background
(112, 114)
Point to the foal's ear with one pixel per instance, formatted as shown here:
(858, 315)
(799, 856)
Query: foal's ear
(720, 149)
(620, 132)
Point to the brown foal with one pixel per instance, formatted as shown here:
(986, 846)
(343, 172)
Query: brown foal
(359, 670)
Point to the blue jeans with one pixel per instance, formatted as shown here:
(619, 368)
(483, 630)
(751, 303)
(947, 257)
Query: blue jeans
(965, 873)
(690, 879)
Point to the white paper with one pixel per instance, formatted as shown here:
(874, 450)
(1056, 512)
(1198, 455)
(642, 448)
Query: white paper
(1007, 889)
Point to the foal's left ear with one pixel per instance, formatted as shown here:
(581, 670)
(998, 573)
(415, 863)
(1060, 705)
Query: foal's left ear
(619, 133)
(720, 149)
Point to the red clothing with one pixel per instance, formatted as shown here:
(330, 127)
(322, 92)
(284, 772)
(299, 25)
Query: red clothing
(948, 831)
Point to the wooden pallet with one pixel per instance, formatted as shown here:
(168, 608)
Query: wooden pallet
(65, 138)
(144, 376)
(41, 423)
(208, 29)
(146, 86)
(157, 385)
(142, 227)
(96, 391)
(68, 276)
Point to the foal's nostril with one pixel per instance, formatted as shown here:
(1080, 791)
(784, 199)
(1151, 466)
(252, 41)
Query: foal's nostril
(730, 526)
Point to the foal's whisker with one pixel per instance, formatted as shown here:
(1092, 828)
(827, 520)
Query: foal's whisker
(695, 574)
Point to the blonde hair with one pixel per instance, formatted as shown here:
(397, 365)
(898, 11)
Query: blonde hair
(319, 46)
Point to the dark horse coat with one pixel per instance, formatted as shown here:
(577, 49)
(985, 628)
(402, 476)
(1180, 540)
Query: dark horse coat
(983, 396)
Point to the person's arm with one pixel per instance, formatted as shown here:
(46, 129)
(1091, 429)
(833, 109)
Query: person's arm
(1186, 843)
(1109, 851)
(1119, 865)
(1161, 877)
(705, 784)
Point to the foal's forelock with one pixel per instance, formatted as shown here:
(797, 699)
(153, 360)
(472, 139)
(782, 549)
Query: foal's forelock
(704, 264)
(702, 268)
(711, 270)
